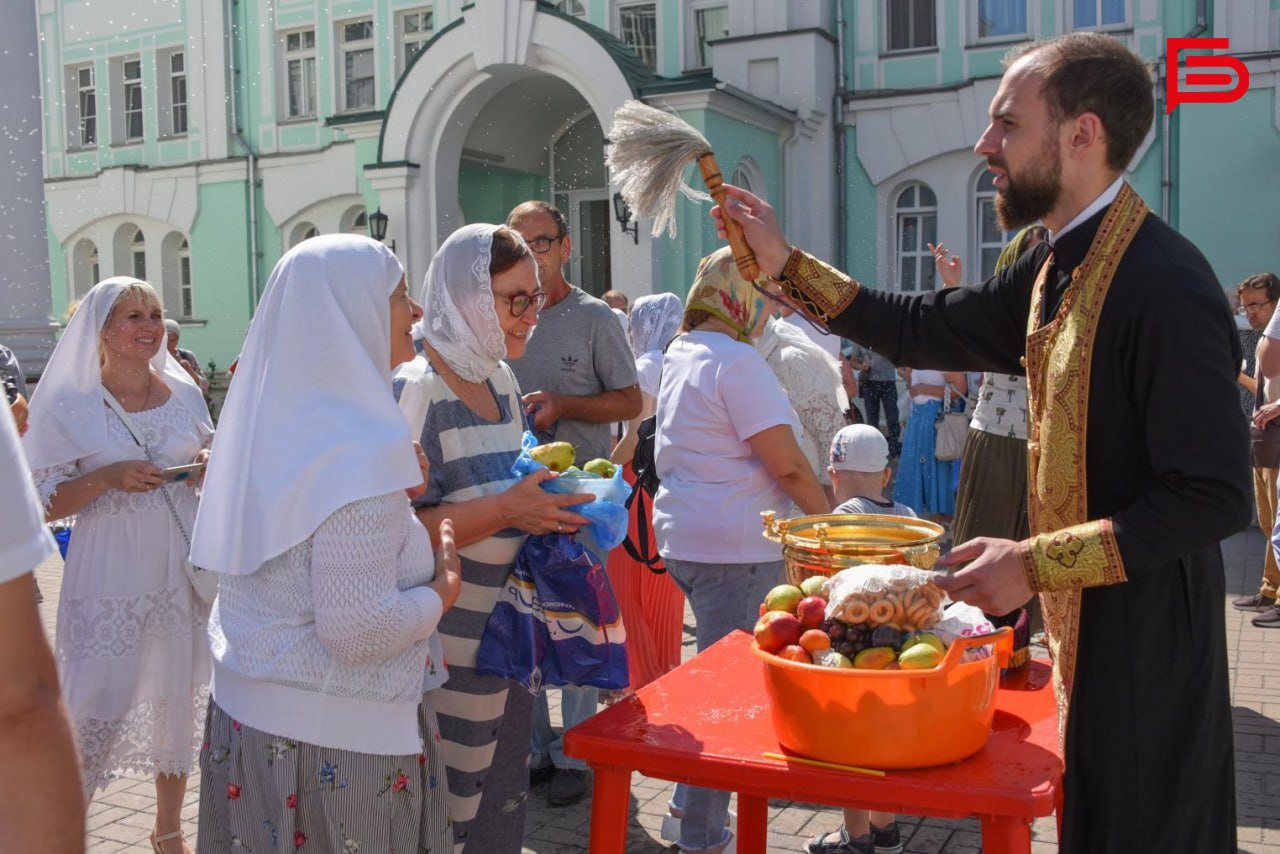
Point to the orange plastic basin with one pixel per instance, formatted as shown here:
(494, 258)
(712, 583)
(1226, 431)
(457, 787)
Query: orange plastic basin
(888, 719)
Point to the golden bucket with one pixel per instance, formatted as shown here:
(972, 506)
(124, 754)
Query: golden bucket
(826, 544)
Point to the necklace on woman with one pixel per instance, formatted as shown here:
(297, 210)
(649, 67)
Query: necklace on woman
(129, 400)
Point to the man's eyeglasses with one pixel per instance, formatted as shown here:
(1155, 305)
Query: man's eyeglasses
(1253, 307)
(520, 302)
(542, 245)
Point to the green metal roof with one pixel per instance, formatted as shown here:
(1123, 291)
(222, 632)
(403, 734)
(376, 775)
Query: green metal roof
(637, 74)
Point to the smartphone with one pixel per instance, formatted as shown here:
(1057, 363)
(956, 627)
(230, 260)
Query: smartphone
(177, 474)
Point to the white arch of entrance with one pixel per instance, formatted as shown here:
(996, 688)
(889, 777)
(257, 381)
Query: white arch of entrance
(493, 47)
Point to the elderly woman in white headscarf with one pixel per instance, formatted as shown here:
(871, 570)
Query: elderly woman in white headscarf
(811, 379)
(113, 410)
(323, 633)
(481, 299)
(652, 606)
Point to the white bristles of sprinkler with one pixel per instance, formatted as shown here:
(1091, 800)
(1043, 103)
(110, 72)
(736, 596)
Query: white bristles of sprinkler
(649, 150)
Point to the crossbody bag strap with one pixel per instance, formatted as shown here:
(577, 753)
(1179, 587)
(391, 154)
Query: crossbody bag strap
(132, 427)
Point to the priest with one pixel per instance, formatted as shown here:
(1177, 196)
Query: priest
(1115, 321)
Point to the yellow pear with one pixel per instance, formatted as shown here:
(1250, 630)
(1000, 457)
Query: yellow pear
(557, 456)
(600, 466)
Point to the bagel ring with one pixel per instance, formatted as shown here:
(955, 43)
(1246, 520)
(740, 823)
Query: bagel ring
(882, 612)
(910, 597)
(898, 610)
(920, 614)
(857, 612)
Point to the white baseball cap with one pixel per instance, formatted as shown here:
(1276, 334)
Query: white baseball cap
(859, 447)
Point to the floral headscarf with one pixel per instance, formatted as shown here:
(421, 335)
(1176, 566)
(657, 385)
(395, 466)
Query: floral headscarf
(719, 290)
(655, 320)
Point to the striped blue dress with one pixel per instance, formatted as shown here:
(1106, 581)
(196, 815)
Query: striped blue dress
(484, 720)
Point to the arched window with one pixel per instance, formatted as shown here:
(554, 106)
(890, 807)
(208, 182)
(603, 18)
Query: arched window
(300, 232)
(138, 254)
(354, 220)
(185, 289)
(915, 226)
(990, 237)
(84, 267)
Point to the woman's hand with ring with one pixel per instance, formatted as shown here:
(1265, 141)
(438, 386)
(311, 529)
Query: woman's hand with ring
(133, 476)
(534, 510)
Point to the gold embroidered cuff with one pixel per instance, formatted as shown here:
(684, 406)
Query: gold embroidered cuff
(1083, 555)
(819, 290)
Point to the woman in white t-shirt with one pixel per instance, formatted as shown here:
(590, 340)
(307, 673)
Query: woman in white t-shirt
(324, 630)
(726, 449)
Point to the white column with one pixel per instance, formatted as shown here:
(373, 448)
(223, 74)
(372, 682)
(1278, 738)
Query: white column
(25, 299)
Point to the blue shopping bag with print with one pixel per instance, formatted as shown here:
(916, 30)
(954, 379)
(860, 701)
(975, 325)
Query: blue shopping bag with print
(557, 621)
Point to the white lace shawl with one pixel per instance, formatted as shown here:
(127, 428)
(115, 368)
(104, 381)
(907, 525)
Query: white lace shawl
(655, 320)
(459, 318)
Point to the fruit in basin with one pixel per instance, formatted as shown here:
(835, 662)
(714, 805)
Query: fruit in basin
(815, 640)
(811, 611)
(927, 638)
(812, 586)
(600, 466)
(875, 658)
(775, 630)
(784, 597)
(831, 658)
(922, 656)
(557, 456)
(794, 652)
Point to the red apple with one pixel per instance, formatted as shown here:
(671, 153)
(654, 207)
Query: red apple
(811, 611)
(775, 630)
(792, 652)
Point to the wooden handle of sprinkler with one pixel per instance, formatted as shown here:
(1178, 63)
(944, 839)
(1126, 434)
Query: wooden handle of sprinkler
(743, 255)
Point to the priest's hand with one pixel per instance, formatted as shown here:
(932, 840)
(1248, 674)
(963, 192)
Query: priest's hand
(759, 225)
(994, 581)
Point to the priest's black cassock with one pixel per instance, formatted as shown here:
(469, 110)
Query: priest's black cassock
(1132, 361)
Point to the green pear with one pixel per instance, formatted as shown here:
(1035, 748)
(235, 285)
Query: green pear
(600, 466)
(812, 586)
(557, 456)
(922, 656)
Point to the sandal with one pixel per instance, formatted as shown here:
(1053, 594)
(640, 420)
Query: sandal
(841, 844)
(156, 840)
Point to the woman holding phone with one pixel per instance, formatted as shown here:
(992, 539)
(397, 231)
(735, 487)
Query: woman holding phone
(113, 410)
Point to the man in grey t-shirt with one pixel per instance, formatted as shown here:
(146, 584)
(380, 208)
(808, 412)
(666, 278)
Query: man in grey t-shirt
(578, 377)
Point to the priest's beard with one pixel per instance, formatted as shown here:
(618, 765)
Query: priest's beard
(1028, 197)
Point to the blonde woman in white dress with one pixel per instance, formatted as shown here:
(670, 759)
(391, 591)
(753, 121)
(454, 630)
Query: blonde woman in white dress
(131, 638)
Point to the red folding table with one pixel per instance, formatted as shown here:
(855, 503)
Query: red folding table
(707, 723)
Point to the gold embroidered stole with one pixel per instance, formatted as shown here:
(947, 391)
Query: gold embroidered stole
(1059, 360)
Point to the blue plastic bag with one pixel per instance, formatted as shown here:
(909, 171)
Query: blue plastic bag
(607, 511)
(557, 621)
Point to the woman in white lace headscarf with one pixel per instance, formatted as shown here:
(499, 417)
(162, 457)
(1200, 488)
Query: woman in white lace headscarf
(131, 641)
(481, 299)
(323, 632)
(811, 379)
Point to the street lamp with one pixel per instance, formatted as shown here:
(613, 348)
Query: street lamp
(622, 212)
(378, 227)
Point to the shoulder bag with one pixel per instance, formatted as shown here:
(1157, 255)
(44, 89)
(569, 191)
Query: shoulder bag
(203, 582)
(952, 428)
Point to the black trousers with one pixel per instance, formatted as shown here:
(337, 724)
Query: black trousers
(877, 393)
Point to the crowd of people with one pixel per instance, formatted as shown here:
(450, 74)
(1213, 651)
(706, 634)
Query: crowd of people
(294, 602)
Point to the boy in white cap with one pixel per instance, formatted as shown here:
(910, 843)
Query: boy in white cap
(859, 468)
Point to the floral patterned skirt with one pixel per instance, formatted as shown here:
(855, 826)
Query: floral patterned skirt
(263, 793)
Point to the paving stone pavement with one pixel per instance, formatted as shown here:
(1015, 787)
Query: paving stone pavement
(120, 817)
